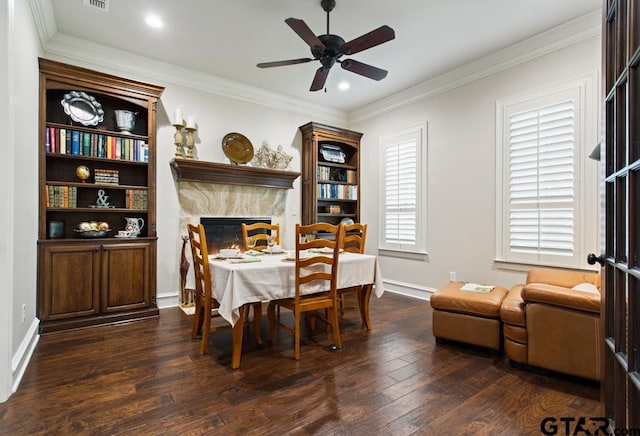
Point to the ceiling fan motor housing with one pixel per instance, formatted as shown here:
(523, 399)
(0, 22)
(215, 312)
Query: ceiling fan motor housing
(331, 52)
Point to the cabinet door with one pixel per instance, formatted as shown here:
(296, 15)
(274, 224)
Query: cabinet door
(70, 281)
(125, 276)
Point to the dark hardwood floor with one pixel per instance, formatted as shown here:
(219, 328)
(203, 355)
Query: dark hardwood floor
(148, 377)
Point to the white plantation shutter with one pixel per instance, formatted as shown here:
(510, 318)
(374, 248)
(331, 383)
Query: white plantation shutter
(400, 195)
(402, 168)
(542, 183)
(547, 202)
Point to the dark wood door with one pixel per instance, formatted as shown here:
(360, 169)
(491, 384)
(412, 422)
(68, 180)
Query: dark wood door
(125, 272)
(621, 258)
(70, 281)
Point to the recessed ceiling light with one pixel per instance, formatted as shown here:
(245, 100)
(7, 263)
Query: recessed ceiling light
(154, 21)
(344, 85)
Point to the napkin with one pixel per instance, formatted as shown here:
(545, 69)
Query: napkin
(245, 260)
(324, 250)
(254, 253)
(274, 250)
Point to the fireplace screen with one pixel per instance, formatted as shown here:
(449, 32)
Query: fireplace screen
(226, 232)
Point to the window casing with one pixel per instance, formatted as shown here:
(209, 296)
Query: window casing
(547, 207)
(403, 188)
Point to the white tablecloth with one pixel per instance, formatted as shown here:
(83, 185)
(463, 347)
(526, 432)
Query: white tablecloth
(236, 284)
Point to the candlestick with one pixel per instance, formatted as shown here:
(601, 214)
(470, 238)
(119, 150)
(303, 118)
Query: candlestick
(191, 122)
(190, 131)
(177, 117)
(178, 139)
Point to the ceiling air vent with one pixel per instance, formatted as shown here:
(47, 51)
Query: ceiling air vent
(102, 5)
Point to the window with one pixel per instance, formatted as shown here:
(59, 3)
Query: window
(547, 199)
(403, 187)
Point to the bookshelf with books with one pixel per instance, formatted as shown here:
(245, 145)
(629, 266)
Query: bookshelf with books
(330, 174)
(95, 171)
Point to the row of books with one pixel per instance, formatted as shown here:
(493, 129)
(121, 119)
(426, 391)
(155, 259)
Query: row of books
(136, 199)
(74, 142)
(327, 174)
(67, 197)
(109, 177)
(61, 196)
(339, 192)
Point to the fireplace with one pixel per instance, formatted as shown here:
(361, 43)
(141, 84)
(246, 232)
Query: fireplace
(226, 232)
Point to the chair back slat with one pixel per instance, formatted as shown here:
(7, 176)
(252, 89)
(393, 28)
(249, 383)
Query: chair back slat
(355, 237)
(261, 232)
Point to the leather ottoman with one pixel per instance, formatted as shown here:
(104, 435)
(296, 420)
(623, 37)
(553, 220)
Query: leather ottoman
(468, 317)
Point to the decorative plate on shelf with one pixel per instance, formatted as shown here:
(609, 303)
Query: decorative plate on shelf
(82, 108)
(237, 148)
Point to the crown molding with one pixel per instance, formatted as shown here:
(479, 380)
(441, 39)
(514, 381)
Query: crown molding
(572, 32)
(44, 18)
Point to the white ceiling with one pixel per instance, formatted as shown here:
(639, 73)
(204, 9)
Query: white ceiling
(228, 38)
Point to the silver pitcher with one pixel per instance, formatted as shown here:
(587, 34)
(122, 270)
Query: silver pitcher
(125, 120)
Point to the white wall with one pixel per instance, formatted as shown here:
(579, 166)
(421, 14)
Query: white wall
(19, 107)
(6, 192)
(462, 167)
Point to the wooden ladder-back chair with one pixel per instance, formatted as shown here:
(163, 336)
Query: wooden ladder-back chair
(261, 232)
(355, 237)
(310, 270)
(204, 300)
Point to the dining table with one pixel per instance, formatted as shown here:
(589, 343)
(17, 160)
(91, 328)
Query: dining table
(239, 282)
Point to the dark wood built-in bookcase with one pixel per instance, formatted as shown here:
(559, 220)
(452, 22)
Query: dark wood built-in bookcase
(330, 174)
(93, 171)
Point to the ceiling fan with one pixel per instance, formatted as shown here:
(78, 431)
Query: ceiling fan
(328, 49)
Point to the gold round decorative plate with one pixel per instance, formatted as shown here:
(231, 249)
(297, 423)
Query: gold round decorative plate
(237, 147)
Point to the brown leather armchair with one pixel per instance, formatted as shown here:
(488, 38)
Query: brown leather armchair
(553, 322)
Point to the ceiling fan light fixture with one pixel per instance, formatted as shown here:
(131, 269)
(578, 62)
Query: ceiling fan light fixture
(344, 85)
(329, 48)
(154, 21)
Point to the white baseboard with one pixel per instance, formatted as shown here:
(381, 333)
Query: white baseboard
(167, 299)
(408, 289)
(21, 359)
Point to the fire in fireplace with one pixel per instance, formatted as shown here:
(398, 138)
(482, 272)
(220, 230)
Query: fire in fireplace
(226, 232)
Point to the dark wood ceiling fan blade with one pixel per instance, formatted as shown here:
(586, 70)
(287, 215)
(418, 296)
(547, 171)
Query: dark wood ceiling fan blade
(303, 31)
(283, 63)
(319, 79)
(375, 37)
(365, 70)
